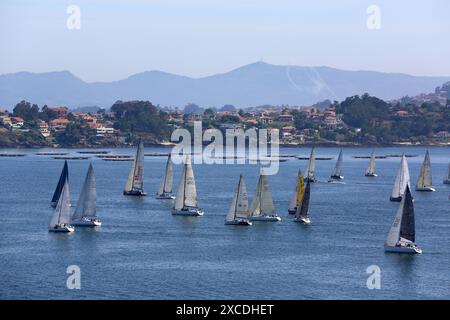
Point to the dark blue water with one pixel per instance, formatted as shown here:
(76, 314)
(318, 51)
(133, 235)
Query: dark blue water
(143, 252)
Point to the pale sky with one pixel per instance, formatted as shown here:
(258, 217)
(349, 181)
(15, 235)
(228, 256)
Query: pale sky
(196, 38)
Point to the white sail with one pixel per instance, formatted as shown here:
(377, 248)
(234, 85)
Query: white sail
(166, 184)
(425, 179)
(86, 206)
(136, 176)
(403, 227)
(187, 192)
(263, 202)
(239, 206)
(371, 167)
(338, 167)
(62, 211)
(394, 232)
(293, 202)
(401, 180)
(311, 169)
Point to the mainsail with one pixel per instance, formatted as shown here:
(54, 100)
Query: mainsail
(62, 180)
(187, 192)
(135, 180)
(311, 169)
(239, 206)
(371, 167)
(263, 202)
(425, 179)
(297, 196)
(302, 209)
(403, 226)
(401, 180)
(338, 167)
(86, 206)
(166, 184)
(62, 211)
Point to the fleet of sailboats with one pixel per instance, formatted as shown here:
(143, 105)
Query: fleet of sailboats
(262, 204)
(239, 211)
(447, 178)
(401, 181)
(59, 187)
(60, 221)
(135, 182)
(337, 174)
(165, 190)
(301, 215)
(298, 193)
(185, 203)
(311, 169)
(401, 236)
(424, 182)
(370, 172)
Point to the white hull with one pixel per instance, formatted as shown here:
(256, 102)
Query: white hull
(166, 196)
(87, 222)
(238, 222)
(426, 189)
(335, 181)
(371, 175)
(303, 220)
(447, 181)
(192, 212)
(272, 218)
(64, 229)
(403, 249)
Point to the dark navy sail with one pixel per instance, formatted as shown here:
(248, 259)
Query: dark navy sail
(62, 179)
(407, 228)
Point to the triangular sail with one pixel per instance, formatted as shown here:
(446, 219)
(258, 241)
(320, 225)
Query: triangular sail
(403, 225)
(297, 196)
(303, 208)
(448, 173)
(425, 179)
(62, 211)
(62, 179)
(239, 207)
(311, 169)
(401, 180)
(135, 180)
(187, 192)
(371, 167)
(338, 167)
(166, 184)
(86, 206)
(263, 202)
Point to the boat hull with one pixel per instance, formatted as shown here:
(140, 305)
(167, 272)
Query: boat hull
(426, 189)
(447, 181)
(403, 249)
(371, 175)
(62, 229)
(396, 199)
(336, 177)
(266, 218)
(302, 220)
(165, 196)
(134, 193)
(310, 179)
(238, 222)
(87, 222)
(292, 211)
(190, 212)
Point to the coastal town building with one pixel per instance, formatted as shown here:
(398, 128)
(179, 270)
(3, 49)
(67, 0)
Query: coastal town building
(59, 125)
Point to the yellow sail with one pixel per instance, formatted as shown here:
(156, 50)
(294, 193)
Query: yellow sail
(300, 188)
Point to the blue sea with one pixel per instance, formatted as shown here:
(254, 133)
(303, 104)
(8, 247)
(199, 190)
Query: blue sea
(143, 252)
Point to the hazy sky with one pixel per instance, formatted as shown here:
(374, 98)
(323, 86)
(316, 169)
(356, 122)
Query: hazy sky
(201, 37)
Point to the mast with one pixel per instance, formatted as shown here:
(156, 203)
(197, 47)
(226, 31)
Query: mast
(404, 222)
(371, 167)
(237, 198)
(62, 211)
(425, 176)
(401, 180)
(338, 167)
(296, 197)
(62, 179)
(86, 205)
(310, 170)
(302, 209)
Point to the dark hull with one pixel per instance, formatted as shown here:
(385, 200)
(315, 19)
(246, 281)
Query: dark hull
(398, 199)
(134, 193)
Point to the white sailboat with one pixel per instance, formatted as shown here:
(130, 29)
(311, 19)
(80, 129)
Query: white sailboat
(447, 178)
(135, 182)
(297, 196)
(165, 189)
(185, 203)
(424, 182)
(401, 181)
(401, 236)
(262, 205)
(311, 169)
(301, 215)
(85, 214)
(239, 211)
(370, 172)
(337, 174)
(60, 221)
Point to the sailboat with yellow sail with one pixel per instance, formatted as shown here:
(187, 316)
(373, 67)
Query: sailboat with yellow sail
(298, 194)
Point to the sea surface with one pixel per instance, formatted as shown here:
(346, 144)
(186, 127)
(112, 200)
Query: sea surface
(143, 252)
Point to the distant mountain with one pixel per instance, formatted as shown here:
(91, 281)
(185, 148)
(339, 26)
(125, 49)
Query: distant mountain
(251, 85)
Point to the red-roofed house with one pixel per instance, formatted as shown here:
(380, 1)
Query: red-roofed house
(59, 124)
(17, 122)
(62, 112)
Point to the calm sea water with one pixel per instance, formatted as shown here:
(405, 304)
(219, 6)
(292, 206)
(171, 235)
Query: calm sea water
(143, 252)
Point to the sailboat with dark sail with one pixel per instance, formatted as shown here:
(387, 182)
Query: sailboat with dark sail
(186, 203)
(301, 215)
(298, 194)
(424, 182)
(370, 172)
(135, 182)
(311, 169)
(447, 178)
(59, 187)
(85, 214)
(165, 189)
(401, 181)
(262, 205)
(401, 237)
(239, 211)
(60, 221)
(337, 174)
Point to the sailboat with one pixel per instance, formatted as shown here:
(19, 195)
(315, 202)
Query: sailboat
(424, 182)
(301, 215)
(239, 211)
(311, 169)
(401, 236)
(298, 194)
(370, 172)
(185, 203)
(135, 182)
(165, 189)
(401, 181)
(85, 214)
(337, 169)
(447, 179)
(262, 205)
(62, 179)
(60, 221)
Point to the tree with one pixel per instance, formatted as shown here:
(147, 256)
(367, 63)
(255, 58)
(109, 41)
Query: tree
(228, 108)
(192, 108)
(26, 111)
